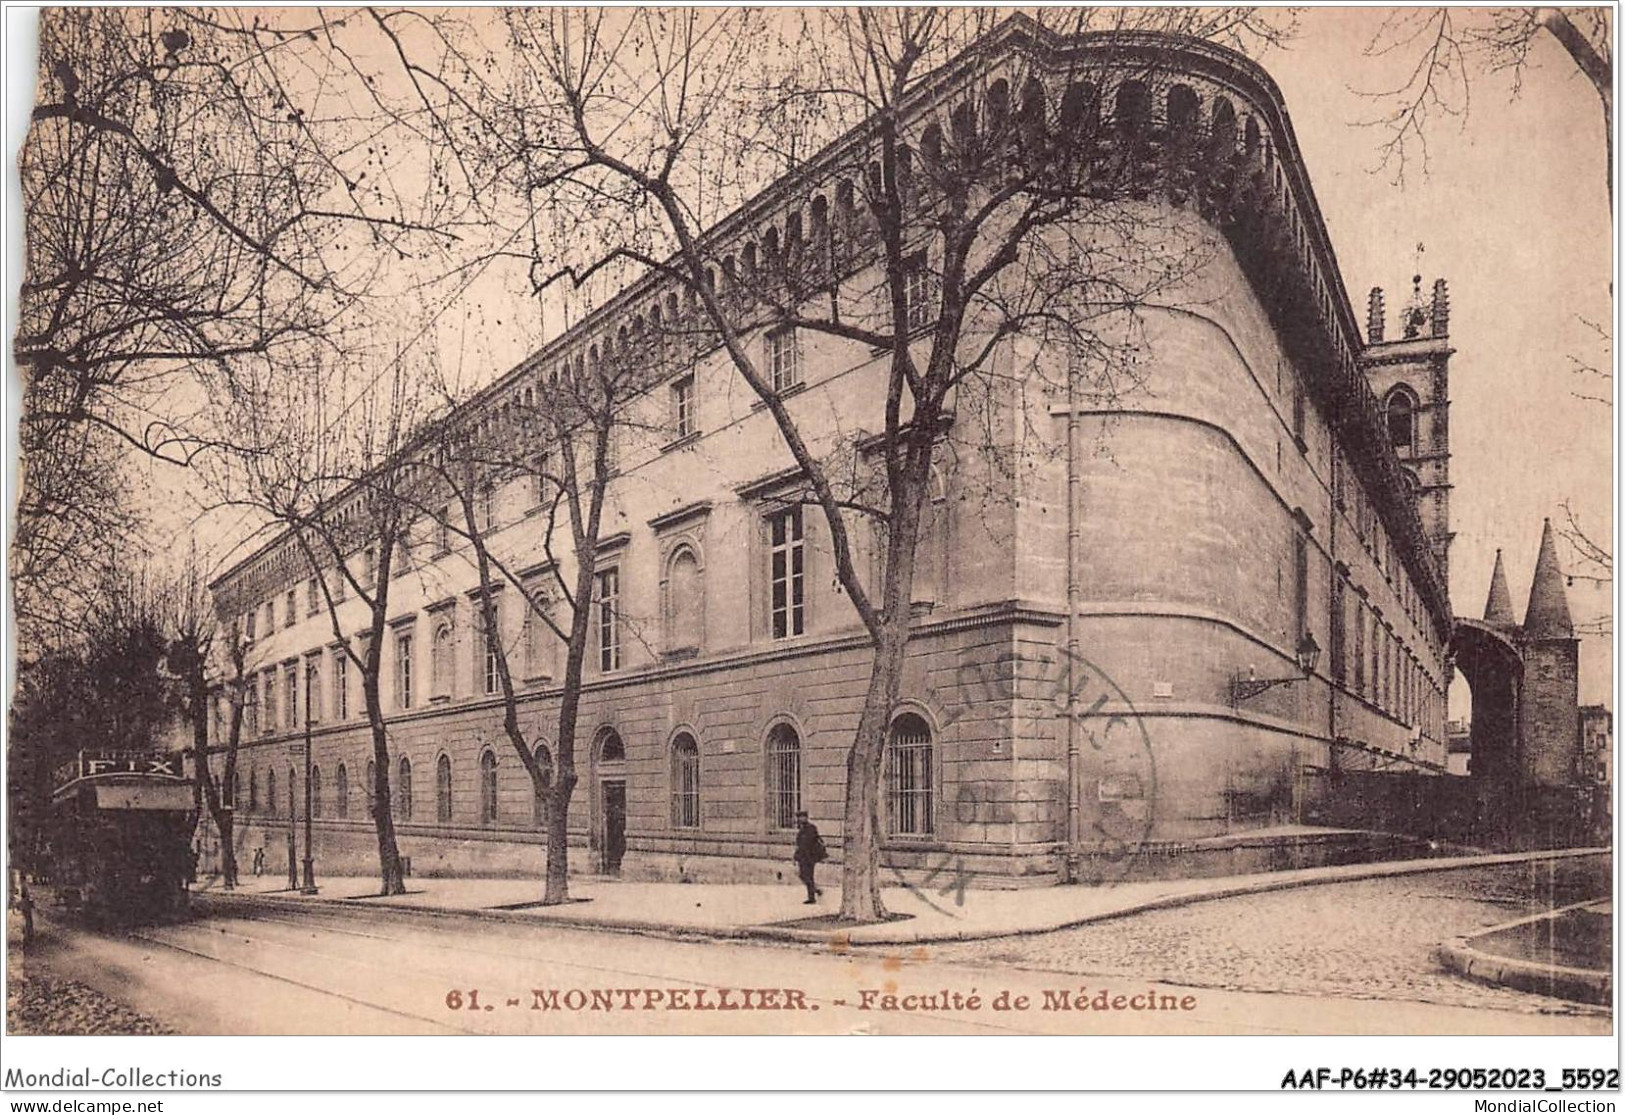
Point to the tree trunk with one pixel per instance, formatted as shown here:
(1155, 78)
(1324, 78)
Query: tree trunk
(224, 825)
(204, 792)
(557, 891)
(392, 879)
(860, 869)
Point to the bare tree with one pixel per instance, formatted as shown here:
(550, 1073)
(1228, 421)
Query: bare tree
(1447, 49)
(977, 233)
(555, 439)
(210, 661)
(329, 473)
(195, 202)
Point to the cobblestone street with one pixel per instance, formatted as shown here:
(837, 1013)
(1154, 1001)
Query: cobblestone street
(1364, 940)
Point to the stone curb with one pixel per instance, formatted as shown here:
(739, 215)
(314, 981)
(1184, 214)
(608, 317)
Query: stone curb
(1583, 985)
(896, 933)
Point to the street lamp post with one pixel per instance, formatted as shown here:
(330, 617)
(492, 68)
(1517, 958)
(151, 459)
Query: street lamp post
(310, 862)
(293, 821)
(1245, 688)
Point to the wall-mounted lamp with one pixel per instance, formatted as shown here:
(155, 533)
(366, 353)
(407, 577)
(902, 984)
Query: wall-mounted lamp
(1245, 688)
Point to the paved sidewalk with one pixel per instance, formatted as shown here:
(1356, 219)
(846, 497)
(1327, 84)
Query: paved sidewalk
(777, 912)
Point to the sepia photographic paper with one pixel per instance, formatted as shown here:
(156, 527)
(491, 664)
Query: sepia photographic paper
(806, 523)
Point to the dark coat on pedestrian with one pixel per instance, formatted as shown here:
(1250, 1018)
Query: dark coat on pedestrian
(809, 845)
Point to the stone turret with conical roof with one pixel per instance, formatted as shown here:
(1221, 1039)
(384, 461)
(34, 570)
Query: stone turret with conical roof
(1547, 616)
(1549, 719)
(1498, 608)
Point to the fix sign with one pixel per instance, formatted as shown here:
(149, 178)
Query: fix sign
(167, 766)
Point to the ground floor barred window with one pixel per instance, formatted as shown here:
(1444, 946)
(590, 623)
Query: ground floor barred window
(909, 777)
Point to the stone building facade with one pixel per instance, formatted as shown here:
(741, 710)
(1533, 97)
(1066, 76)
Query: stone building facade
(1148, 630)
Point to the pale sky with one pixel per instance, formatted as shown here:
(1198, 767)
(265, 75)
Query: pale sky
(1514, 215)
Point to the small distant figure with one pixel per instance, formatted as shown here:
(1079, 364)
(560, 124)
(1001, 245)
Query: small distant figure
(259, 860)
(810, 852)
(191, 865)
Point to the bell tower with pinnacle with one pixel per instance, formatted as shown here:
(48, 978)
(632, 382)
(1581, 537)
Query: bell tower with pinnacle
(1410, 376)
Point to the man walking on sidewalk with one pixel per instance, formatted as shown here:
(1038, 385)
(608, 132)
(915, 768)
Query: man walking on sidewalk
(810, 852)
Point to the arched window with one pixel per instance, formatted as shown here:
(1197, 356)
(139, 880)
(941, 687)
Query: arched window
(270, 792)
(685, 782)
(442, 789)
(1031, 114)
(232, 789)
(1401, 418)
(1133, 104)
(253, 790)
(538, 802)
(440, 660)
(998, 107)
(488, 788)
(403, 789)
(315, 791)
(341, 792)
(685, 600)
(1224, 127)
(909, 774)
(1080, 109)
(613, 748)
(783, 776)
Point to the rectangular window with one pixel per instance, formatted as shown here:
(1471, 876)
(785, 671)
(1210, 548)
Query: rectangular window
(485, 509)
(290, 693)
(313, 594)
(1300, 416)
(369, 567)
(341, 685)
(783, 359)
(682, 406)
(251, 710)
(1300, 586)
(1376, 660)
(403, 671)
(492, 678)
(293, 609)
(1339, 631)
(268, 688)
(313, 689)
(442, 532)
(788, 559)
(608, 603)
(249, 623)
(919, 295)
(1359, 649)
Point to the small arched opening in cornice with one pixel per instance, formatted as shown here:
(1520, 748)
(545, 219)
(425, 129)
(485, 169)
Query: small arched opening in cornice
(962, 124)
(931, 144)
(1183, 106)
(1080, 108)
(1032, 113)
(1132, 105)
(998, 107)
(1223, 127)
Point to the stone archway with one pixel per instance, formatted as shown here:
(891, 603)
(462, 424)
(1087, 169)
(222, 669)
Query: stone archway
(1493, 667)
